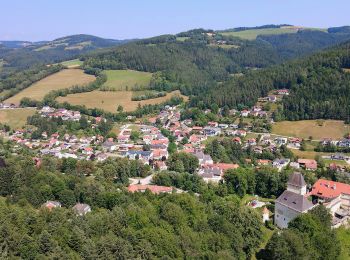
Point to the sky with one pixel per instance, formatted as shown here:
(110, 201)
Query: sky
(36, 20)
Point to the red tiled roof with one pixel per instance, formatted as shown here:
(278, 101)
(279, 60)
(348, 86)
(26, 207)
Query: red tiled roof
(164, 141)
(329, 189)
(226, 166)
(153, 188)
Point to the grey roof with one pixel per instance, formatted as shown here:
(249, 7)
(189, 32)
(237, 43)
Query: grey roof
(295, 201)
(108, 144)
(296, 179)
(81, 207)
(214, 171)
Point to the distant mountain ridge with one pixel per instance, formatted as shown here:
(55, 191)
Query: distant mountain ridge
(19, 55)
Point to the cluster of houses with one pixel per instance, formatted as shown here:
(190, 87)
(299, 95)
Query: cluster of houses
(62, 113)
(276, 96)
(343, 143)
(80, 209)
(299, 199)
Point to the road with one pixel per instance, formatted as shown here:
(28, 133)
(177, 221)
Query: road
(145, 181)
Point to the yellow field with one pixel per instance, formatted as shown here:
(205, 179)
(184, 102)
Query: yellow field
(109, 101)
(60, 80)
(306, 128)
(15, 118)
(126, 79)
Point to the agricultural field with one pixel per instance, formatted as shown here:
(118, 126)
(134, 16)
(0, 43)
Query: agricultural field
(126, 79)
(317, 129)
(72, 63)
(60, 80)
(16, 118)
(252, 34)
(109, 101)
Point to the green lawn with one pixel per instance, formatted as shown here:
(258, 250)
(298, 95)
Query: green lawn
(126, 79)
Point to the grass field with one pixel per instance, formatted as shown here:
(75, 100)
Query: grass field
(308, 154)
(306, 128)
(109, 101)
(15, 118)
(252, 34)
(126, 79)
(182, 39)
(60, 80)
(72, 63)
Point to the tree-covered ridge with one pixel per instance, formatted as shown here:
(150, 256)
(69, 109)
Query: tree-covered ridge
(193, 63)
(320, 88)
(28, 54)
(304, 42)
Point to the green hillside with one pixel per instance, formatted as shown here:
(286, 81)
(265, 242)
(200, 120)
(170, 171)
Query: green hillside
(253, 33)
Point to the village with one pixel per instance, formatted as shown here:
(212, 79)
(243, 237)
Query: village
(152, 143)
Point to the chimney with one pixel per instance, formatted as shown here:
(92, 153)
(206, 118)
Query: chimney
(334, 186)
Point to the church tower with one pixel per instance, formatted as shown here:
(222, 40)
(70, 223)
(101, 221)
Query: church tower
(296, 184)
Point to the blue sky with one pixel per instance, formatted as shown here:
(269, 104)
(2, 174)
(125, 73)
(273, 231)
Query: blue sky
(48, 19)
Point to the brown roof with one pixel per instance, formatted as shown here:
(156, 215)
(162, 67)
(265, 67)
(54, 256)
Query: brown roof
(296, 179)
(294, 201)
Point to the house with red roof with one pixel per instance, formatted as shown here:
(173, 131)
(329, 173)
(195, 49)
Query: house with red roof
(335, 196)
(155, 189)
(283, 91)
(308, 164)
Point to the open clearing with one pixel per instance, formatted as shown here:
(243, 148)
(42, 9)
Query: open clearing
(126, 79)
(72, 63)
(304, 129)
(252, 34)
(109, 101)
(60, 80)
(16, 118)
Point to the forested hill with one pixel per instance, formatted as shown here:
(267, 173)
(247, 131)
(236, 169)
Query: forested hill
(304, 42)
(194, 62)
(320, 87)
(22, 55)
(199, 58)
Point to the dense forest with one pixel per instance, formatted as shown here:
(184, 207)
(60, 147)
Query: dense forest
(320, 87)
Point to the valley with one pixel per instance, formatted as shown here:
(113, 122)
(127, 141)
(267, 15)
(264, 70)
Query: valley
(198, 144)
